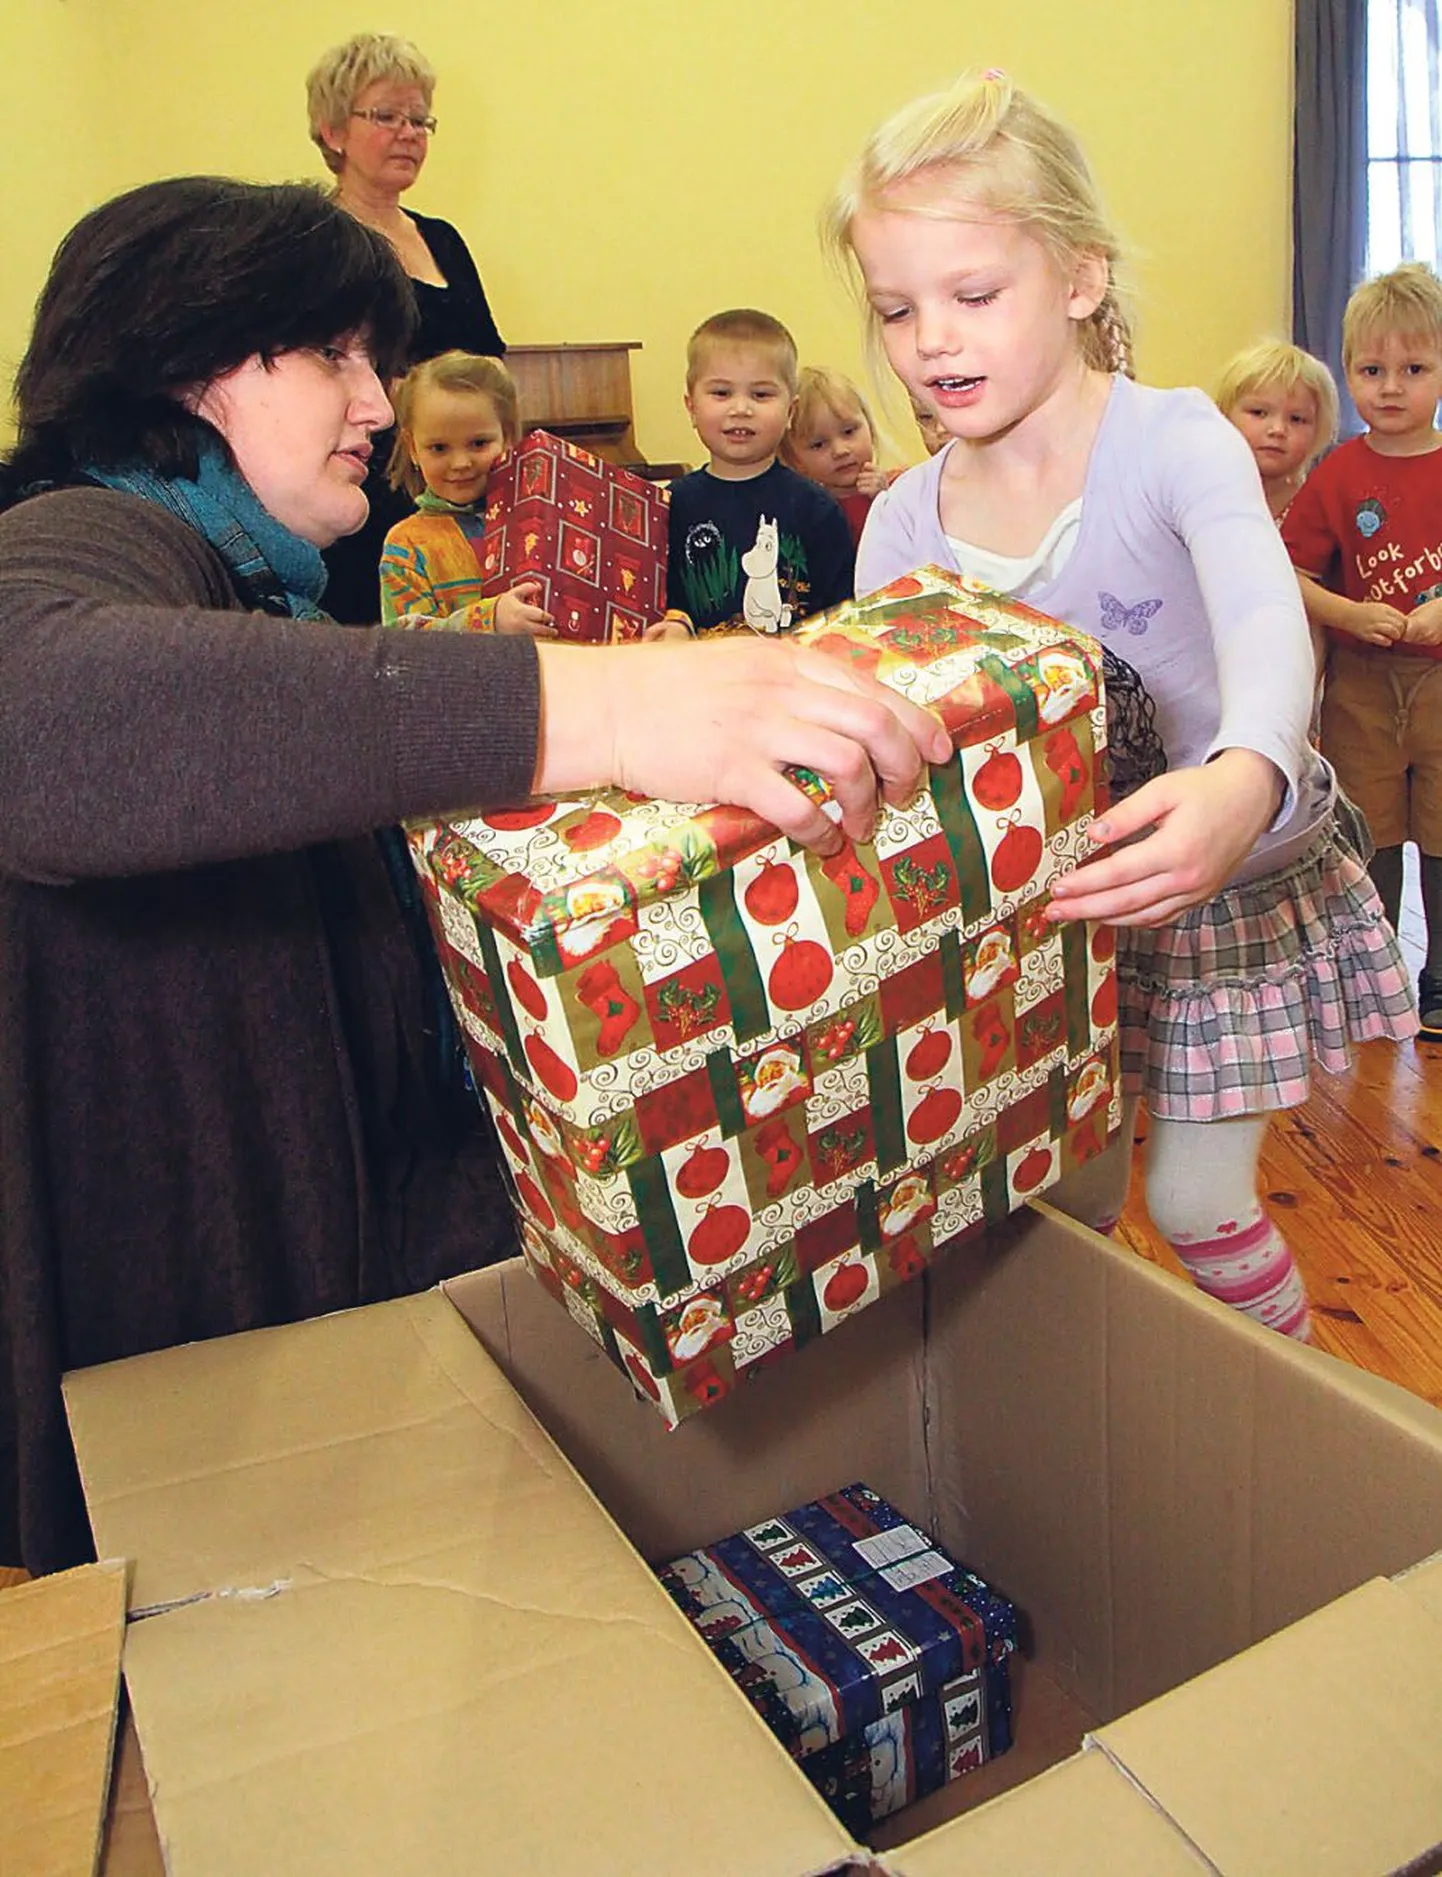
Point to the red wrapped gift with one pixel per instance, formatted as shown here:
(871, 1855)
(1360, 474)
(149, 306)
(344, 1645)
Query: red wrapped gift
(594, 535)
(743, 1091)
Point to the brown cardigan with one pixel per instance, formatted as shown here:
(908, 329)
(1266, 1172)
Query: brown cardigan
(215, 1111)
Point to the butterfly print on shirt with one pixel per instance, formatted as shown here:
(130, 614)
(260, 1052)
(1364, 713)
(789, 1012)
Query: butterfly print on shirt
(1119, 618)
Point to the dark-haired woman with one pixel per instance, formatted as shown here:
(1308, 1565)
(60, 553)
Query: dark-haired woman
(369, 104)
(218, 1100)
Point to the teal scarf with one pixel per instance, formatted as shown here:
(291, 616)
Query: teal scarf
(276, 572)
(429, 504)
(272, 568)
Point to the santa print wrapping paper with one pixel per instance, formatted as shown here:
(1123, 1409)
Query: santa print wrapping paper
(594, 535)
(880, 1663)
(742, 1091)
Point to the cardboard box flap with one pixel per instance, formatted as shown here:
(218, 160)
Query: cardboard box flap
(355, 1537)
(1424, 1582)
(1153, 1413)
(303, 1446)
(1253, 1760)
(60, 1642)
(132, 1848)
(1084, 1818)
(856, 1405)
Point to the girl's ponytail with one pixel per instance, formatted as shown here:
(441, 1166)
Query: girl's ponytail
(1112, 332)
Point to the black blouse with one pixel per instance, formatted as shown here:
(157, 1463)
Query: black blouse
(456, 317)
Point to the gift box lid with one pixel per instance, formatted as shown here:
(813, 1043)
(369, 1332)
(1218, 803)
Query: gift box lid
(838, 1612)
(566, 878)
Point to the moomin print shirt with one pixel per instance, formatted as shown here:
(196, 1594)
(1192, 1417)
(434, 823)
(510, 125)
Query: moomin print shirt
(764, 553)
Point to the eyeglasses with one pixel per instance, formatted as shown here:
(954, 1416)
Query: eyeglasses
(396, 120)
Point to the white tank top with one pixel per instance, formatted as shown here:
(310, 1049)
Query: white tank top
(1018, 574)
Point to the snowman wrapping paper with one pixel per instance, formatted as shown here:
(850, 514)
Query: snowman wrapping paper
(879, 1663)
(742, 1091)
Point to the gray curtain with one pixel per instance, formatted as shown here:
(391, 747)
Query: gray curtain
(1329, 197)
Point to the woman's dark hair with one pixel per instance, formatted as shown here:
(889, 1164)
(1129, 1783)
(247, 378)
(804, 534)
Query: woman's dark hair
(165, 288)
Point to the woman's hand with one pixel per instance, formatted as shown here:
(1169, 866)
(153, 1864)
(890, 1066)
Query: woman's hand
(1202, 825)
(517, 610)
(721, 722)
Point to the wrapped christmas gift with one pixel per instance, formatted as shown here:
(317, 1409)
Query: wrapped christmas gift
(593, 534)
(879, 1663)
(744, 1091)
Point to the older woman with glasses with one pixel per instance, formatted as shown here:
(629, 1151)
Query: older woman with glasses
(370, 116)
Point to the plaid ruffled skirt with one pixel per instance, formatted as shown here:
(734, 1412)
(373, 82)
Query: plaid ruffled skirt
(1225, 1012)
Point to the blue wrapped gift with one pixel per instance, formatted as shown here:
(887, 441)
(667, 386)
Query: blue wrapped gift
(879, 1662)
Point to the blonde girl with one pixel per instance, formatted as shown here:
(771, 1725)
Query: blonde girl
(1284, 402)
(929, 426)
(456, 416)
(831, 439)
(1251, 940)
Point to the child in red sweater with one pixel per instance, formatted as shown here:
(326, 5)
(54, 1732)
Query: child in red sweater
(832, 439)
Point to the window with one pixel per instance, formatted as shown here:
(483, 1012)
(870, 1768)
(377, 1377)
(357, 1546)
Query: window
(1404, 134)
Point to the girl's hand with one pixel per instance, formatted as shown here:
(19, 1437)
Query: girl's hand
(720, 722)
(1424, 627)
(517, 611)
(1374, 622)
(671, 626)
(870, 480)
(1202, 825)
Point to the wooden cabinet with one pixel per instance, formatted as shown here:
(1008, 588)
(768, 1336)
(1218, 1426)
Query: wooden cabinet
(583, 393)
(580, 392)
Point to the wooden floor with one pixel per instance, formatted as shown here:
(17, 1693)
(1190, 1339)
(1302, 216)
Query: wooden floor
(1354, 1179)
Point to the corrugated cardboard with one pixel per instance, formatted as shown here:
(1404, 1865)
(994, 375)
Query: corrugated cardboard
(1085, 1818)
(131, 1847)
(355, 1536)
(1359, 1688)
(60, 1640)
(399, 1633)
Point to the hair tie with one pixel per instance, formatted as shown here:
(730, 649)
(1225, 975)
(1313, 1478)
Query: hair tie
(994, 73)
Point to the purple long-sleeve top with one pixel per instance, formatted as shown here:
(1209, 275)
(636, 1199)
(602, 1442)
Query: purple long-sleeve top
(1179, 570)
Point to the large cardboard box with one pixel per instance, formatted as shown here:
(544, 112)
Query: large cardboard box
(396, 1619)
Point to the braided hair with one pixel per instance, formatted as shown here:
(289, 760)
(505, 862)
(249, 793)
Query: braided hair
(985, 143)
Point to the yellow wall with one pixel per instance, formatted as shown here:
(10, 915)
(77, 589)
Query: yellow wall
(53, 169)
(621, 168)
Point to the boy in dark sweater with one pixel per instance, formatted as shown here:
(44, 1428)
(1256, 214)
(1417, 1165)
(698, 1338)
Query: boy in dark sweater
(751, 542)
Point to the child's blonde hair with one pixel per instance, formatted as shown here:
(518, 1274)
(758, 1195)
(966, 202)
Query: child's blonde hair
(989, 145)
(933, 431)
(1273, 365)
(449, 371)
(818, 390)
(743, 325)
(1407, 302)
